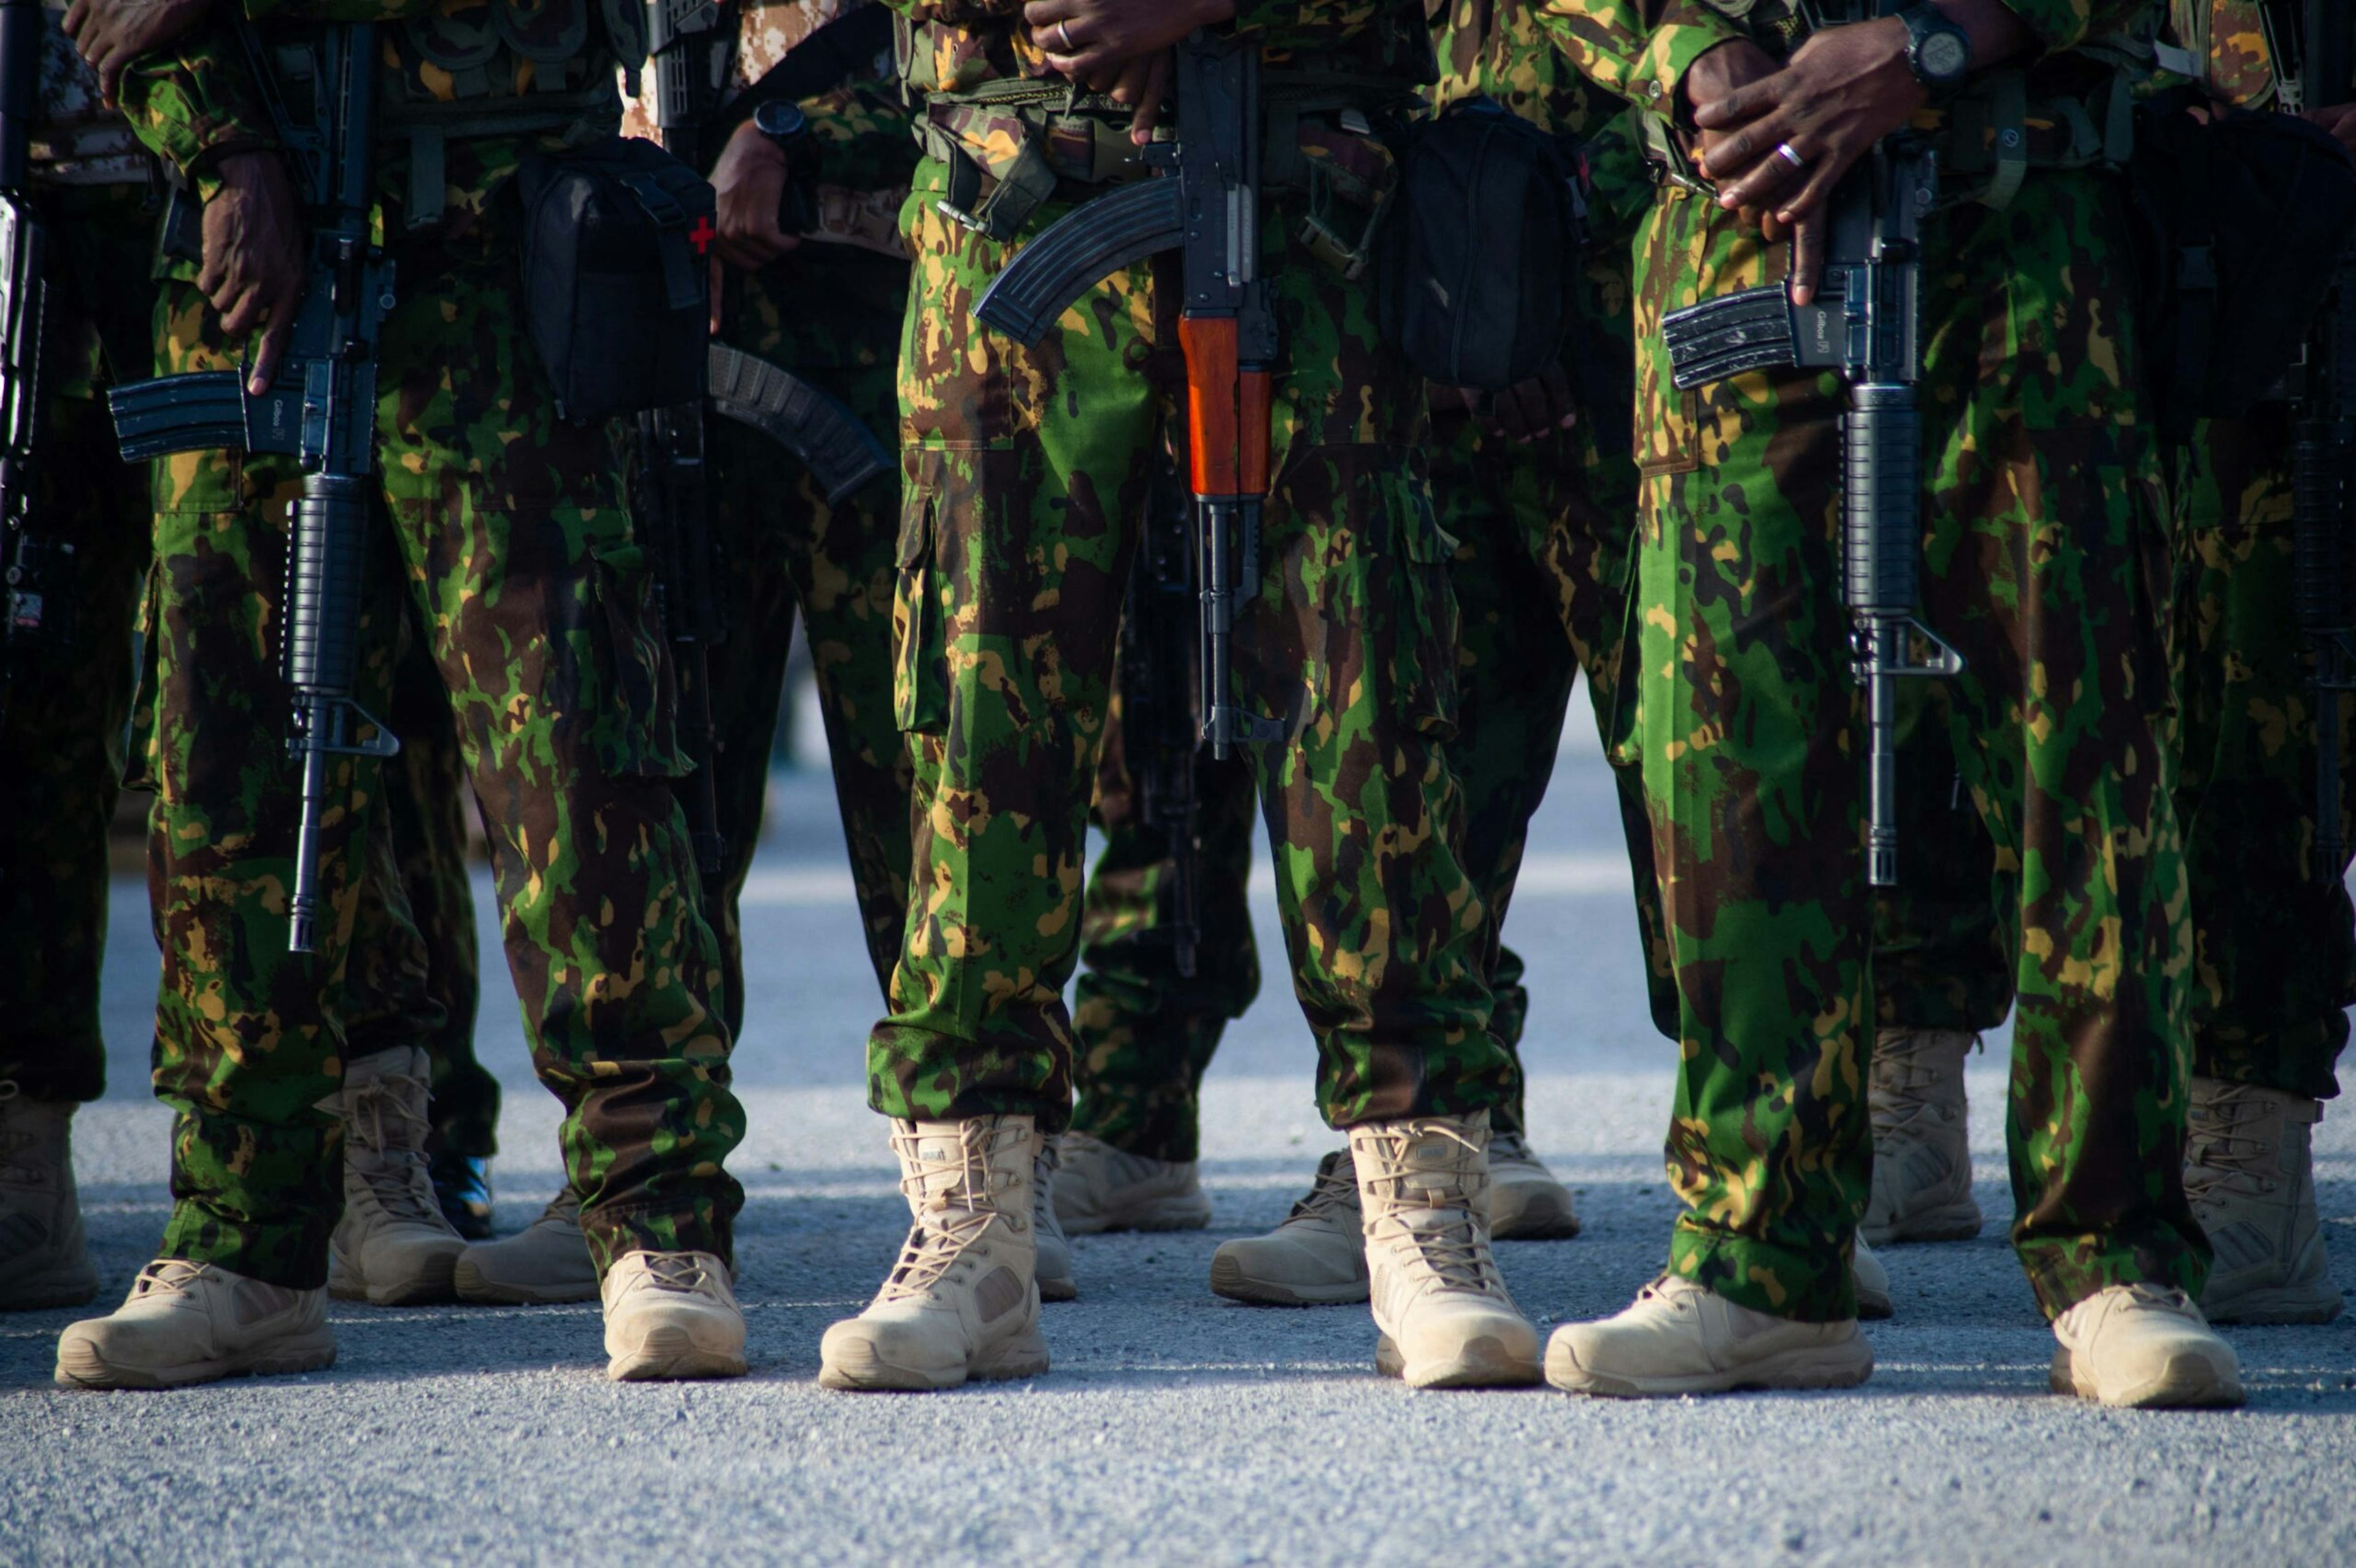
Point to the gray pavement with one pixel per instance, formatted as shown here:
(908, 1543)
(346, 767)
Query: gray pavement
(1175, 1427)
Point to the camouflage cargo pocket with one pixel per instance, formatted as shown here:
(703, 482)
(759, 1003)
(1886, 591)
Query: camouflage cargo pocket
(919, 637)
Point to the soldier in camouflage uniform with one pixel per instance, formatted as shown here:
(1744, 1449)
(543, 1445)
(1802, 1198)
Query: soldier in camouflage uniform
(2045, 565)
(829, 309)
(505, 527)
(65, 701)
(2274, 958)
(1541, 516)
(1027, 472)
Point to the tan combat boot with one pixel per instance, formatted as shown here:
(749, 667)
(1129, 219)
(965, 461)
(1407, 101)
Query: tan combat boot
(1922, 1154)
(2143, 1347)
(393, 1246)
(190, 1323)
(1873, 1283)
(963, 1300)
(546, 1261)
(2249, 1173)
(1102, 1188)
(1446, 1320)
(1317, 1257)
(671, 1316)
(1056, 1281)
(1525, 1203)
(43, 1259)
(1680, 1338)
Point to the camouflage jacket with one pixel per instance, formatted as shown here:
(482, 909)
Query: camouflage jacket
(956, 46)
(864, 130)
(468, 88)
(1496, 47)
(1641, 49)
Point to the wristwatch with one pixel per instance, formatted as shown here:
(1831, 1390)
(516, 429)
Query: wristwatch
(781, 120)
(1938, 52)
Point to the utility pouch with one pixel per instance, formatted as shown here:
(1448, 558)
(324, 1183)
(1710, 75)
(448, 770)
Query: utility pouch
(615, 241)
(2241, 218)
(1477, 268)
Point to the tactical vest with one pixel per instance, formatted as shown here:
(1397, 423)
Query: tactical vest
(77, 140)
(2073, 112)
(504, 68)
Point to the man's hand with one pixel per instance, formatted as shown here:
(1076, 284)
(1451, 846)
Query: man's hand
(751, 179)
(2341, 121)
(1845, 90)
(1530, 409)
(1120, 46)
(111, 34)
(252, 270)
(1713, 76)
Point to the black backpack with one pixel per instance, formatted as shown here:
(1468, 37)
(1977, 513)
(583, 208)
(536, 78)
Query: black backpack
(615, 276)
(1479, 252)
(2241, 219)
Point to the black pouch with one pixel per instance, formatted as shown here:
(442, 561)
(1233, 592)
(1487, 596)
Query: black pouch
(615, 239)
(1481, 248)
(2240, 222)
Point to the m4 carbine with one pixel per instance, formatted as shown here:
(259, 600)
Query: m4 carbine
(1864, 321)
(320, 410)
(2312, 71)
(1206, 205)
(36, 613)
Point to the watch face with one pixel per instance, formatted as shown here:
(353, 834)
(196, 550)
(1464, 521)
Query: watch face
(778, 119)
(1945, 55)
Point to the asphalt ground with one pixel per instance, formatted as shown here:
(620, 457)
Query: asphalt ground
(1174, 1427)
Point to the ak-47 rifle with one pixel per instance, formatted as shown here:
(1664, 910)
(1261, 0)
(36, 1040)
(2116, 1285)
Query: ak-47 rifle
(36, 613)
(2313, 72)
(691, 43)
(1864, 321)
(1206, 205)
(320, 410)
(1161, 740)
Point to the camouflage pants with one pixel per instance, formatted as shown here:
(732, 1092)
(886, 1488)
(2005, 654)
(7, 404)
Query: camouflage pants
(1940, 959)
(2046, 565)
(414, 977)
(65, 706)
(1535, 559)
(1027, 471)
(2275, 945)
(502, 526)
(834, 563)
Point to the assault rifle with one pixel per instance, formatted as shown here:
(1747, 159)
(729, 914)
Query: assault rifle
(2313, 72)
(320, 410)
(1205, 204)
(1160, 737)
(1864, 321)
(691, 43)
(36, 613)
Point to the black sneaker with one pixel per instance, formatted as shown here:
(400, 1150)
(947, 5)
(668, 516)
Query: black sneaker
(463, 1184)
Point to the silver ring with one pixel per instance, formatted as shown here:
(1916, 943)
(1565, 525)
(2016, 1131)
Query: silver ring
(1064, 35)
(1783, 151)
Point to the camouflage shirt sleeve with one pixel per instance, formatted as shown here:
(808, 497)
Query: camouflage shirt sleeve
(1637, 50)
(196, 104)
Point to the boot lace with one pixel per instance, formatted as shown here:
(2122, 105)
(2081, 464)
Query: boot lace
(167, 1277)
(1335, 1186)
(1901, 1082)
(950, 1221)
(679, 1272)
(401, 1185)
(2217, 1157)
(1453, 1251)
